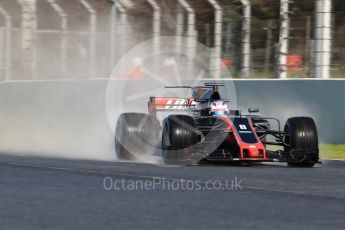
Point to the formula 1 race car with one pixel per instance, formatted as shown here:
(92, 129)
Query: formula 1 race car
(211, 131)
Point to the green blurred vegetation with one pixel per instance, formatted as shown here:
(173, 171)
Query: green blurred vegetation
(332, 151)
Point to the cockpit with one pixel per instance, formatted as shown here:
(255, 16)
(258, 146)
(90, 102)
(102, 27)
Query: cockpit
(219, 108)
(210, 103)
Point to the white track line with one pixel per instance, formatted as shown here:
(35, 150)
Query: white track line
(330, 159)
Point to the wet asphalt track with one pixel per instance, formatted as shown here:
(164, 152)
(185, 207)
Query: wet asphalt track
(41, 193)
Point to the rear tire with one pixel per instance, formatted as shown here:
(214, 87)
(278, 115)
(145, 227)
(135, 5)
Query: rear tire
(302, 138)
(179, 133)
(136, 134)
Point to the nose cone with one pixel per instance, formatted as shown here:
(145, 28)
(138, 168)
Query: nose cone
(254, 153)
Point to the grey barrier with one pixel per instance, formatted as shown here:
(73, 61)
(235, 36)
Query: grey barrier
(68, 118)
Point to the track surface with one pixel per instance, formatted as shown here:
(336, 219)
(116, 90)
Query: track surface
(41, 193)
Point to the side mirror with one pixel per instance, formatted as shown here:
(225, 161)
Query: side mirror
(235, 112)
(253, 110)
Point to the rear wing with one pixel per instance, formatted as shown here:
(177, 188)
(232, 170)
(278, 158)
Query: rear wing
(169, 104)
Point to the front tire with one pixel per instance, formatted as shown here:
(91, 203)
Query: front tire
(302, 142)
(179, 133)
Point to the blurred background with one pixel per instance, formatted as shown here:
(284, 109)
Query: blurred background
(84, 39)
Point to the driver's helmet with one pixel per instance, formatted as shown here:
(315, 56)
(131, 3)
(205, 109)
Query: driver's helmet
(219, 108)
